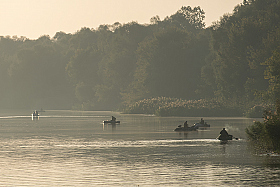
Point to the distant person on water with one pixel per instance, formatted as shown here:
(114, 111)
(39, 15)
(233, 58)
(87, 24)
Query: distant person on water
(186, 124)
(201, 121)
(113, 118)
(224, 132)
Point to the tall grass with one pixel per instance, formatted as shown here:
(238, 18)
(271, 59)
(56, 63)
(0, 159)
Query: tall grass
(165, 106)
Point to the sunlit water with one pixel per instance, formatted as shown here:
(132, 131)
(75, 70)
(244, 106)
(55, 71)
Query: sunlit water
(66, 148)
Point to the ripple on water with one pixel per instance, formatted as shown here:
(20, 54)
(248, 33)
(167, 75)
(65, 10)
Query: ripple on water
(68, 159)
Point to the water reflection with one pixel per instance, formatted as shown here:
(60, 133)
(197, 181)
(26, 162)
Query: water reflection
(223, 149)
(34, 117)
(183, 134)
(107, 126)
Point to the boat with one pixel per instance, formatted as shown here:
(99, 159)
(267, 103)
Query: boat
(180, 128)
(201, 124)
(35, 114)
(111, 121)
(224, 138)
(186, 127)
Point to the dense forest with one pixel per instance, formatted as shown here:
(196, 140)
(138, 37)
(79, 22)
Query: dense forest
(168, 64)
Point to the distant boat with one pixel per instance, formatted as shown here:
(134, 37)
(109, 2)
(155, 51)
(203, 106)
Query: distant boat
(112, 121)
(201, 124)
(186, 127)
(35, 114)
(224, 138)
(180, 128)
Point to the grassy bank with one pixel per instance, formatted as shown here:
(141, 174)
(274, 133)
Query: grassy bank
(163, 106)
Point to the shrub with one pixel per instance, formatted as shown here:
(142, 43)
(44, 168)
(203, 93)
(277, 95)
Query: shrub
(266, 135)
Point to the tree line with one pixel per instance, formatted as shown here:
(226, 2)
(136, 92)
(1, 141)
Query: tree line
(235, 61)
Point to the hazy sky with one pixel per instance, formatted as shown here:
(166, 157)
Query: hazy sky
(33, 18)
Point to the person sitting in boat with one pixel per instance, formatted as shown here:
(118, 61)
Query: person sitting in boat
(224, 133)
(201, 121)
(186, 124)
(113, 118)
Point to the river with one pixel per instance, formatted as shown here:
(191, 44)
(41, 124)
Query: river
(70, 148)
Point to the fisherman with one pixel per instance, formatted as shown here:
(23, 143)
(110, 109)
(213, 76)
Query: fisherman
(224, 133)
(202, 121)
(186, 124)
(113, 118)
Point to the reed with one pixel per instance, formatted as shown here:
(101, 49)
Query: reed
(165, 106)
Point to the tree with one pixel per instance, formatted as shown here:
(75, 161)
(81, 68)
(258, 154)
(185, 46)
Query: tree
(38, 78)
(240, 43)
(195, 16)
(272, 73)
(155, 19)
(83, 71)
(168, 65)
(187, 18)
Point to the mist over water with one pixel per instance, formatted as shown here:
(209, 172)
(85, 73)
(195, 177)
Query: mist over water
(75, 149)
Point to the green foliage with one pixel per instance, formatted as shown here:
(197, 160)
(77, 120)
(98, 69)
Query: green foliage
(258, 136)
(168, 65)
(272, 73)
(240, 43)
(163, 106)
(266, 136)
(186, 18)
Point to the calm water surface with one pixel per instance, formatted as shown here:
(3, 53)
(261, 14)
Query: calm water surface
(68, 148)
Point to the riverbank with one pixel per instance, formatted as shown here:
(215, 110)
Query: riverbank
(164, 107)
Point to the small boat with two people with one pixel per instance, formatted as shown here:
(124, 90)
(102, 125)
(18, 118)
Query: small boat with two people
(35, 114)
(224, 136)
(112, 121)
(186, 127)
(201, 124)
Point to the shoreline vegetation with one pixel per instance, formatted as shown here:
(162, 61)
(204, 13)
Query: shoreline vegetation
(166, 106)
(265, 136)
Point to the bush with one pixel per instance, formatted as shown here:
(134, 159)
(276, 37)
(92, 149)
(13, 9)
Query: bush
(266, 135)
